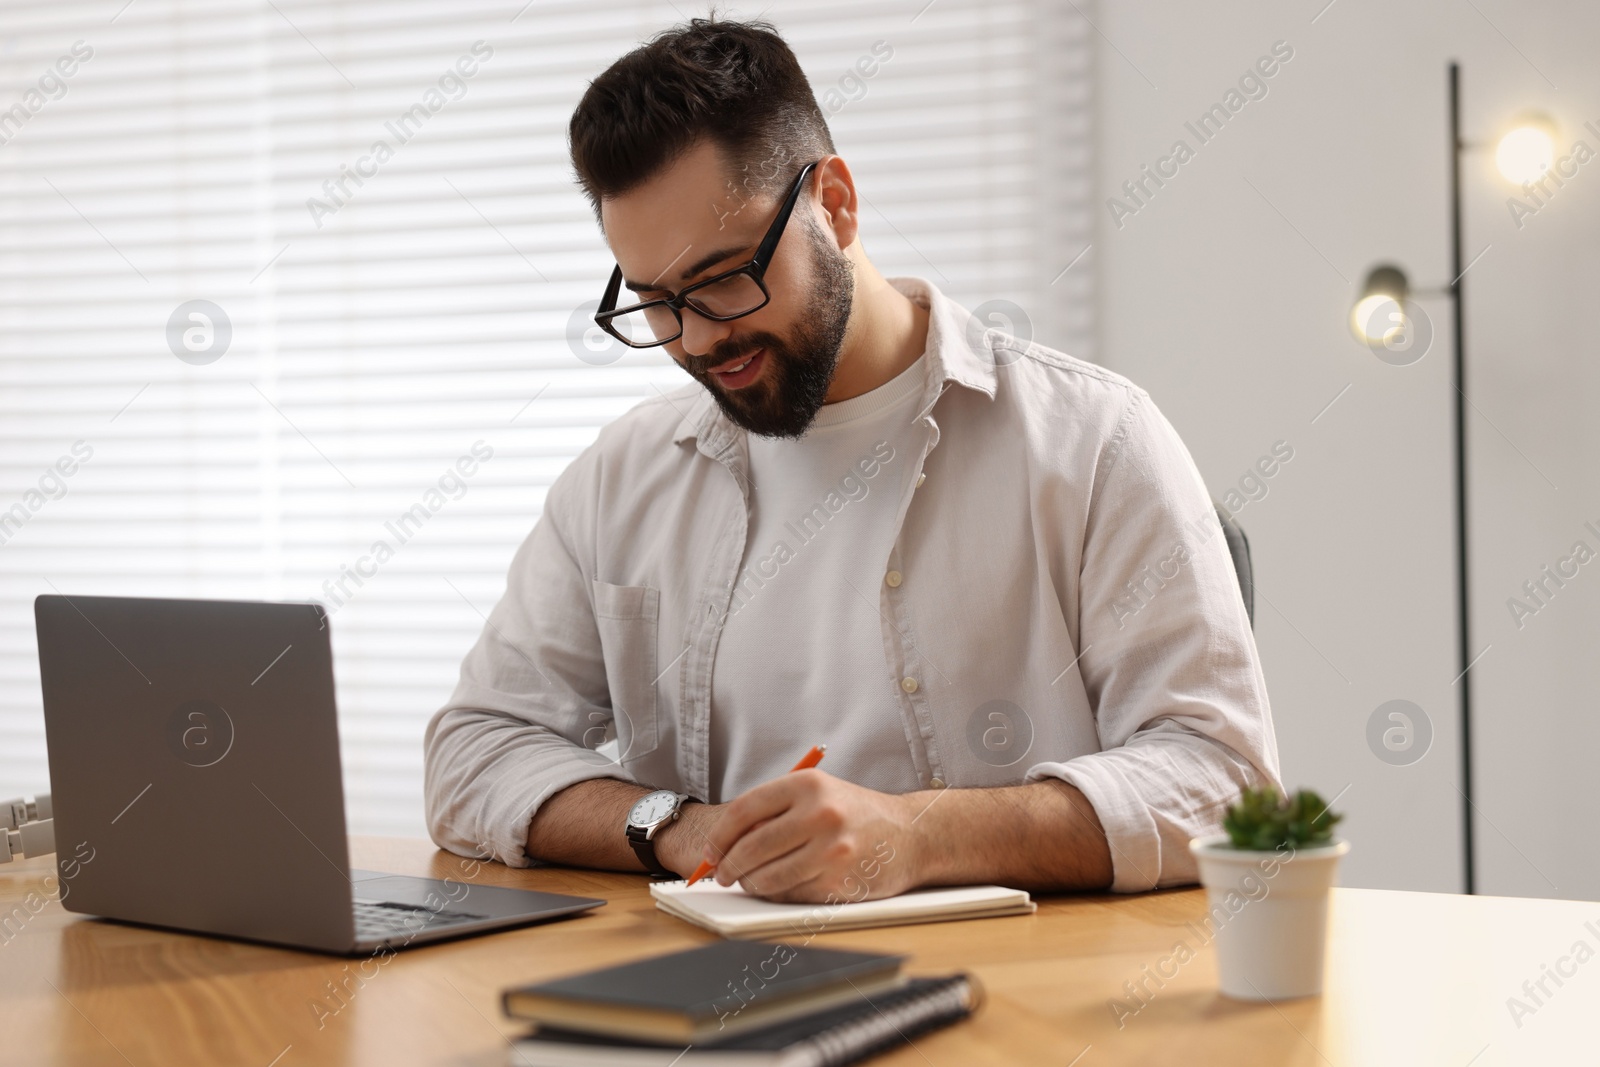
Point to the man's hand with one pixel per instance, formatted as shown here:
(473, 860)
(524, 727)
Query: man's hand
(808, 836)
(680, 843)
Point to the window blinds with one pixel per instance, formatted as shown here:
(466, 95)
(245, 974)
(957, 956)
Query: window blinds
(293, 295)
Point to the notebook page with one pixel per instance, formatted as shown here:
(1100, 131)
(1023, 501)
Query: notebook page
(731, 908)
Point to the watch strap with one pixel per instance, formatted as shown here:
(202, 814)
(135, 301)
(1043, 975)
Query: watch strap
(645, 849)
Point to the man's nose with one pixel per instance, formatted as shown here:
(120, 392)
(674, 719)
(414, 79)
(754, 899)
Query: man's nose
(700, 334)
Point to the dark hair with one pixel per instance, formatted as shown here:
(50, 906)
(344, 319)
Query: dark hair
(734, 83)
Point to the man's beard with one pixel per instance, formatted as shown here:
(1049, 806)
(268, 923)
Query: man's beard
(791, 390)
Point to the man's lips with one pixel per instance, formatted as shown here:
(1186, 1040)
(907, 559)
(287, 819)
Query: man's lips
(741, 370)
(728, 365)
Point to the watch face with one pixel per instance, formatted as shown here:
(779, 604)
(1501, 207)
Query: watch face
(653, 807)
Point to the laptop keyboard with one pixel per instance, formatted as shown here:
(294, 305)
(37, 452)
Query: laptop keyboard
(377, 922)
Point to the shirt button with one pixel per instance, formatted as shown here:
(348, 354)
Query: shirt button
(922, 476)
(936, 783)
(893, 578)
(908, 684)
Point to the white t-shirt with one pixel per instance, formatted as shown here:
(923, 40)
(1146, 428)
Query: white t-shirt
(822, 523)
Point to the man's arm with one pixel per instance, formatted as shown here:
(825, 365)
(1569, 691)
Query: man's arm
(809, 837)
(533, 698)
(1043, 836)
(1166, 659)
(582, 826)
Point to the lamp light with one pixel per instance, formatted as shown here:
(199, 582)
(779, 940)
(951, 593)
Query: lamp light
(1527, 149)
(1380, 315)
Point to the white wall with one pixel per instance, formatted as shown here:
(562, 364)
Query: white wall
(1226, 296)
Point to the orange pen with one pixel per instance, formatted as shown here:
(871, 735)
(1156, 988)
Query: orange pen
(809, 760)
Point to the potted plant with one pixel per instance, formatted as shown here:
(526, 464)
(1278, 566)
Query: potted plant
(1267, 880)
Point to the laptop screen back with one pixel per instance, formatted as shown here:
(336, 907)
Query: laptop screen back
(194, 755)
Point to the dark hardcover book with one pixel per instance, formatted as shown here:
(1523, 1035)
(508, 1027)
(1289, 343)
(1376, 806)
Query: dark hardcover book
(715, 991)
(845, 1034)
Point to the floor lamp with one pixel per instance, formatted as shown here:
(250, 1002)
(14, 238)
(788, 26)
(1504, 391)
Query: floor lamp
(1386, 322)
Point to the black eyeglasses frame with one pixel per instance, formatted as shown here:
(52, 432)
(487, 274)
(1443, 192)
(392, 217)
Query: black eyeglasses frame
(755, 267)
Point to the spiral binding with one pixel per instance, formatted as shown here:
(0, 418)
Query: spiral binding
(899, 1018)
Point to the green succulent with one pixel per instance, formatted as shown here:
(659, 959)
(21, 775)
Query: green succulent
(1262, 820)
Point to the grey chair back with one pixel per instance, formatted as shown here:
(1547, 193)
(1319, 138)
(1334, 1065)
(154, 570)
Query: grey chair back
(1239, 549)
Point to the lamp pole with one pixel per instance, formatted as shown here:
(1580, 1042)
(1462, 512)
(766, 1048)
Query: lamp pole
(1463, 604)
(1378, 319)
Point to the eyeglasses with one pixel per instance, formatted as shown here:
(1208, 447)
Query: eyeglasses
(722, 297)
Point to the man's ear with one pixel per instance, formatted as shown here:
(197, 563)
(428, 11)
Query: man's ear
(836, 193)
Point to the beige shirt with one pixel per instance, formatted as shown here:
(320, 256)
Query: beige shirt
(1058, 602)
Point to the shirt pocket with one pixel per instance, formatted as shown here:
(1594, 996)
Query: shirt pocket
(627, 618)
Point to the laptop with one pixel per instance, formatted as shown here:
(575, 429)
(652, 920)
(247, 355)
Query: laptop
(194, 759)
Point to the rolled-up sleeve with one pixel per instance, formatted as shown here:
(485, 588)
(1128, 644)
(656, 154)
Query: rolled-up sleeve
(531, 699)
(1168, 659)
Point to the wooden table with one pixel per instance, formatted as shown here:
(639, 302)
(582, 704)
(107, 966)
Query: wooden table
(1413, 979)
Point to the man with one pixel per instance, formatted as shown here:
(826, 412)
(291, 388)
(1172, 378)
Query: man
(986, 575)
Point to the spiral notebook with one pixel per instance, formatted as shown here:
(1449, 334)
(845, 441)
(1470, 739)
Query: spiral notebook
(731, 912)
(837, 1036)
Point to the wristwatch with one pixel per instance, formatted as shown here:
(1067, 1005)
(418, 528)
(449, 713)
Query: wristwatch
(652, 812)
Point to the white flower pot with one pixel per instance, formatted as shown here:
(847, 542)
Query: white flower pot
(1268, 913)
